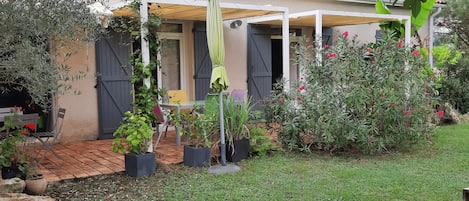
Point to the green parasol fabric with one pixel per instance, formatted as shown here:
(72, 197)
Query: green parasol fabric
(219, 79)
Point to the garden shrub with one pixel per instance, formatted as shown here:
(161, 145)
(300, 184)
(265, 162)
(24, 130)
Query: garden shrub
(369, 98)
(454, 70)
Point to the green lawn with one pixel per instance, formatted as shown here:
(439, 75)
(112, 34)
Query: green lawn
(437, 172)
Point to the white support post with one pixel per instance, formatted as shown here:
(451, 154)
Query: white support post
(431, 32)
(144, 41)
(286, 49)
(159, 73)
(145, 47)
(318, 35)
(407, 31)
(407, 42)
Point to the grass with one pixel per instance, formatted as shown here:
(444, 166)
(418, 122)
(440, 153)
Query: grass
(437, 172)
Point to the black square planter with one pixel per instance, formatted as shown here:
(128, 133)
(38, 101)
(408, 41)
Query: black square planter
(12, 172)
(241, 150)
(140, 165)
(196, 157)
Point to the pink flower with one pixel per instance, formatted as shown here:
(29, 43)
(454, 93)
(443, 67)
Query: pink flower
(331, 55)
(280, 100)
(392, 105)
(369, 50)
(302, 78)
(326, 46)
(382, 95)
(440, 113)
(299, 99)
(345, 34)
(302, 88)
(400, 44)
(415, 52)
(407, 113)
(355, 36)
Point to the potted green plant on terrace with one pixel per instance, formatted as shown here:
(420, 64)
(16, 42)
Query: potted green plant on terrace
(133, 138)
(236, 116)
(12, 156)
(201, 129)
(134, 135)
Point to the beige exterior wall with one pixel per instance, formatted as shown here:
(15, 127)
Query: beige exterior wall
(81, 121)
(81, 117)
(189, 58)
(236, 55)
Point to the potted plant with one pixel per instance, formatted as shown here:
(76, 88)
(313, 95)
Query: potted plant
(201, 129)
(236, 116)
(35, 182)
(132, 138)
(12, 157)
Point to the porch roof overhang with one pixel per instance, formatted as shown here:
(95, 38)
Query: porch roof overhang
(332, 18)
(197, 10)
(328, 18)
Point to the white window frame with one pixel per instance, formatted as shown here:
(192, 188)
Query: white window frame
(182, 60)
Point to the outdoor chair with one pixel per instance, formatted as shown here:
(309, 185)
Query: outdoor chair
(160, 120)
(176, 96)
(50, 137)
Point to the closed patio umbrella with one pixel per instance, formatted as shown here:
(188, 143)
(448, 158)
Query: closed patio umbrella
(219, 79)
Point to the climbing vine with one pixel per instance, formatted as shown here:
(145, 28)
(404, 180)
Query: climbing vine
(145, 97)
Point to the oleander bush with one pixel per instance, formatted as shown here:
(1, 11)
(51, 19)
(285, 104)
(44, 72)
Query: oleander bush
(371, 98)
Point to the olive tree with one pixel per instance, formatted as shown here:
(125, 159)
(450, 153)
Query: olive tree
(34, 33)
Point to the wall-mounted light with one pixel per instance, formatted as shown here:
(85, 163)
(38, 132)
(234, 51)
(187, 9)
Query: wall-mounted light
(236, 24)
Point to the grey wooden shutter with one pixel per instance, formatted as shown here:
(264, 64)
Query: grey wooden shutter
(203, 64)
(326, 36)
(114, 87)
(378, 35)
(259, 63)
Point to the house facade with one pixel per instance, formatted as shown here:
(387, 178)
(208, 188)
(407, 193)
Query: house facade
(253, 61)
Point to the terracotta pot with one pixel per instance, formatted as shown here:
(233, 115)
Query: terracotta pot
(37, 185)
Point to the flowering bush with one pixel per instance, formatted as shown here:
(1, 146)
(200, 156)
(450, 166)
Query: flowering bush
(365, 97)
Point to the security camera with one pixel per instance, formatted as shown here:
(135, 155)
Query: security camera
(236, 24)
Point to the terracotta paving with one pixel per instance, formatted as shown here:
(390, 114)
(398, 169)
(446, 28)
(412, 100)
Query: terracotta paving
(90, 158)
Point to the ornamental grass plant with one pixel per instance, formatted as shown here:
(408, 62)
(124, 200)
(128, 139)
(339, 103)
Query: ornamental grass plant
(365, 97)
